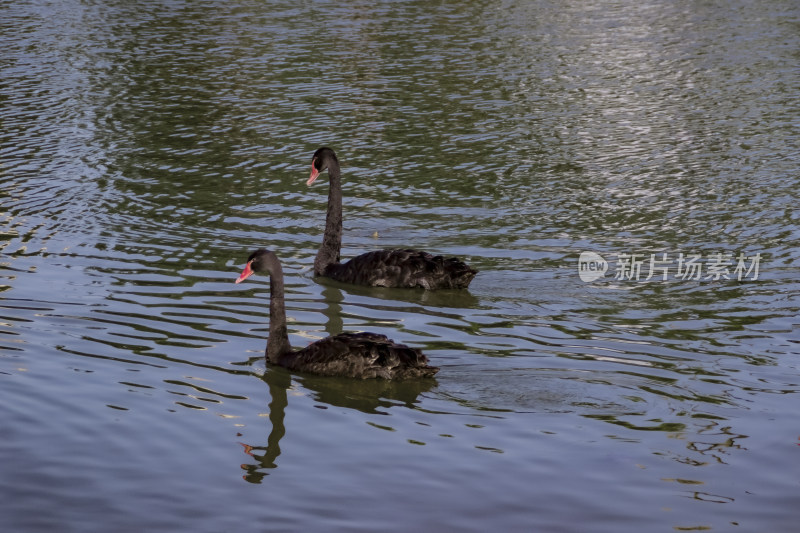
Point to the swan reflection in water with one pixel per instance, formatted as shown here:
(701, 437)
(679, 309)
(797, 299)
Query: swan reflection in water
(371, 396)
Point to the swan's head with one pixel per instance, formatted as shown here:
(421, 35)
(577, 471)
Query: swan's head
(322, 158)
(259, 261)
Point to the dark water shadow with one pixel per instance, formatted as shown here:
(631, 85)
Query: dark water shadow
(449, 298)
(371, 396)
(333, 310)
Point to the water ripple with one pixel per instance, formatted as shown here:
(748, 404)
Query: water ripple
(147, 149)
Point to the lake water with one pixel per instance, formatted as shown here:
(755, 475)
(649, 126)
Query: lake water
(147, 147)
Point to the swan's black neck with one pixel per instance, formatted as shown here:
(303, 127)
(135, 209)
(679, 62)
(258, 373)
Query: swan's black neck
(278, 341)
(328, 253)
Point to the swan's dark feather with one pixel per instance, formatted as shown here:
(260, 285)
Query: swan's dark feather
(403, 268)
(359, 355)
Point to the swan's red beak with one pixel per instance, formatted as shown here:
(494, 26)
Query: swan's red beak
(246, 273)
(314, 173)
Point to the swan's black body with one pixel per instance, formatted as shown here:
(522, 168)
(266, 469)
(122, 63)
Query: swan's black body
(382, 268)
(357, 355)
(402, 268)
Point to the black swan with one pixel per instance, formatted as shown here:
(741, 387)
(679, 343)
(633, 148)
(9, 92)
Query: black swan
(382, 268)
(357, 355)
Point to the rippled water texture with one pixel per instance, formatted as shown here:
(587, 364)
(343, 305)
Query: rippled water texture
(148, 147)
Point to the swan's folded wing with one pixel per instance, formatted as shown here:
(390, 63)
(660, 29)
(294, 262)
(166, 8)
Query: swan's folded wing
(404, 268)
(361, 355)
